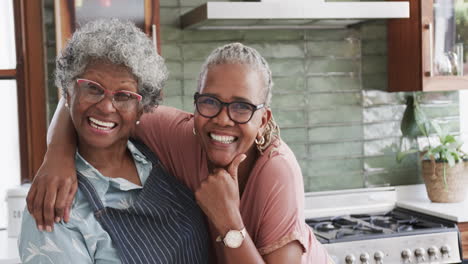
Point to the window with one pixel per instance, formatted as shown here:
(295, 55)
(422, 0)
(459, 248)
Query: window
(9, 135)
(22, 83)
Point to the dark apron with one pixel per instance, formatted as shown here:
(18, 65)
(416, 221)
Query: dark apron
(164, 224)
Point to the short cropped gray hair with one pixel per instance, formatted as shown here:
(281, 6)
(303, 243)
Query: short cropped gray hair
(238, 53)
(121, 43)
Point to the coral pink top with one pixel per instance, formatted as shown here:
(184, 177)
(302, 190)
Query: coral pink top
(273, 200)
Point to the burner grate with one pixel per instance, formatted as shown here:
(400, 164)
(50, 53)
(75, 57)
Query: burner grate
(364, 226)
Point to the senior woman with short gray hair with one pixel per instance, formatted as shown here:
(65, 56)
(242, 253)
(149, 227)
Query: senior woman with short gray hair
(110, 74)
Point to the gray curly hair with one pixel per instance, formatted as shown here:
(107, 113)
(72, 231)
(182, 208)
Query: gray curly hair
(119, 42)
(241, 54)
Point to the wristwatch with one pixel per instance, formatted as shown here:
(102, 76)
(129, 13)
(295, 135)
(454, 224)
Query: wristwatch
(233, 238)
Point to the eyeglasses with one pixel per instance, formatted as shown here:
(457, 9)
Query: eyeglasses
(93, 92)
(240, 112)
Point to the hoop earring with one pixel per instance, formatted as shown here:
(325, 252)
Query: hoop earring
(194, 132)
(260, 142)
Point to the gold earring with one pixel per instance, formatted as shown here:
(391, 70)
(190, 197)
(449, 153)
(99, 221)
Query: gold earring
(194, 132)
(259, 144)
(260, 141)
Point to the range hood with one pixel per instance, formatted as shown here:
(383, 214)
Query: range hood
(289, 14)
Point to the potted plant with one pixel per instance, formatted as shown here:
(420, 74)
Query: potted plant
(443, 162)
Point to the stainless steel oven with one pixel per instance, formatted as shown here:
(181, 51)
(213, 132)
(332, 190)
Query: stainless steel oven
(364, 226)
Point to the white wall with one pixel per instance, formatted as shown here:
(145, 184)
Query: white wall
(9, 137)
(464, 118)
(7, 36)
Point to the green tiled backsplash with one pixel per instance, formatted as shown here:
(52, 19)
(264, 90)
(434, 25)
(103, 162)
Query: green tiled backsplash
(329, 97)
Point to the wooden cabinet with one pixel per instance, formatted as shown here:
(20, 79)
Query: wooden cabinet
(427, 52)
(464, 238)
(70, 14)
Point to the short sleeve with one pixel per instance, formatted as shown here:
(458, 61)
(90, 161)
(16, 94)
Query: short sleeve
(280, 194)
(60, 246)
(161, 129)
(168, 132)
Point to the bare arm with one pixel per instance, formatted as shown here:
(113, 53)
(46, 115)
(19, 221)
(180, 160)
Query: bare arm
(218, 197)
(54, 185)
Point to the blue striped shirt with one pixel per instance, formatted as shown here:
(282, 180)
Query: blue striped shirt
(82, 239)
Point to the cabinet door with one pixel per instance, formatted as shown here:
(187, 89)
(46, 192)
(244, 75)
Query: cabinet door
(70, 14)
(464, 238)
(427, 51)
(444, 36)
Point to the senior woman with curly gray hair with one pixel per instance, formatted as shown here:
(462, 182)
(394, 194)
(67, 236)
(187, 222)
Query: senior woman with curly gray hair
(110, 75)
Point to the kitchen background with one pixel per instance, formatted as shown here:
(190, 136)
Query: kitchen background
(329, 99)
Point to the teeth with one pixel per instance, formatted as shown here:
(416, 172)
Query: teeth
(100, 128)
(222, 139)
(101, 124)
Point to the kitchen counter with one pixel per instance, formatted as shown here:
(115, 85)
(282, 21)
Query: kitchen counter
(8, 249)
(414, 197)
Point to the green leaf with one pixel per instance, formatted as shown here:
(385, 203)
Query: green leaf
(438, 149)
(409, 127)
(450, 159)
(437, 129)
(448, 139)
(455, 155)
(421, 119)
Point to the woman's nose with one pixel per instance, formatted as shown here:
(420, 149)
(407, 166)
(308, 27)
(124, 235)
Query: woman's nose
(106, 105)
(222, 119)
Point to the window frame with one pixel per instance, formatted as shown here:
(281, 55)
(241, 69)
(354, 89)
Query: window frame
(30, 75)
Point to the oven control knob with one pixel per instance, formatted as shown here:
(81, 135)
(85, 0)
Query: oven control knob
(406, 254)
(378, 256)
(419, 254)
(350, 259)
(432, 251)
(364, 258)
(445, 250)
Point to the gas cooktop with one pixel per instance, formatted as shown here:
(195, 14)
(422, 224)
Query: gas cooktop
(397, 222)
(364, 226)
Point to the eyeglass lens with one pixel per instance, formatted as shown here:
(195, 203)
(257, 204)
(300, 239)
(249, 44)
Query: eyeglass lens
(238, 112)
(93, 93)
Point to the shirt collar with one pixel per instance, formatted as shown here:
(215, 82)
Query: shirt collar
(101, 183)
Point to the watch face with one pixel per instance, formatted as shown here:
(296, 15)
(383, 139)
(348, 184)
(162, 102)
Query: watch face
(233, 239)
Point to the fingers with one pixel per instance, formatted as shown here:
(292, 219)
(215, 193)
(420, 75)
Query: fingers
(61, 202)
(49, 208)
(30, 198)
(37, 208)
(69, 201)
(233, 167)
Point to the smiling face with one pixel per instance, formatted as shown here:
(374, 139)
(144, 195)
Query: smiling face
(222, 138)
(101, 125)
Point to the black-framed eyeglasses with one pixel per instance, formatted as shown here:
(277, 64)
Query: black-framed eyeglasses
(240, 112)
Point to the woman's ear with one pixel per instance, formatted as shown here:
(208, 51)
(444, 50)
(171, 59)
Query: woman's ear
(266, 116)
(67, 99)
(139, 114)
